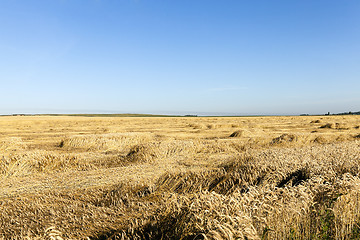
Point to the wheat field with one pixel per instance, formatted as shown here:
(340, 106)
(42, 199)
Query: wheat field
(292, 177)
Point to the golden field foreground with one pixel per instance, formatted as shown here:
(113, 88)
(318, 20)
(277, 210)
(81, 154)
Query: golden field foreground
(180, 177)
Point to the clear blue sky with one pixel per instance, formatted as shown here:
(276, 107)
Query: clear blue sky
(185, 56)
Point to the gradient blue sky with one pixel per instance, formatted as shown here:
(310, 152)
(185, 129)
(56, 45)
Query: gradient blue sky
(188, 56)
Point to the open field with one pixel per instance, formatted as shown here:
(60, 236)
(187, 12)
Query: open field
(65, 177)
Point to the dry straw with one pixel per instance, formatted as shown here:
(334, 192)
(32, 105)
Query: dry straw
(111, 141)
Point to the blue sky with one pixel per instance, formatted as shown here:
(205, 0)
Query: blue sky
(198, 56)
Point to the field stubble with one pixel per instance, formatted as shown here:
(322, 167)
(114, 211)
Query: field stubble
(180, 178)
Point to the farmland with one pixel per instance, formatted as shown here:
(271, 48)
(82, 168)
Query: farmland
(78, 177)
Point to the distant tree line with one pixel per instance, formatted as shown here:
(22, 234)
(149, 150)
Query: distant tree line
(328, 114)
(348, 113)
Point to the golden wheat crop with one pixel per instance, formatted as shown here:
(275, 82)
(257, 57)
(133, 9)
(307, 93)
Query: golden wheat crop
(180, 177)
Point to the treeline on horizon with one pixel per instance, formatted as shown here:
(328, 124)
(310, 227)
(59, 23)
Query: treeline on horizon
(162, 115)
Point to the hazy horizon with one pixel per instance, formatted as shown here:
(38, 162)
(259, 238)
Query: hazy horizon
(169, 113)
(191, 57)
